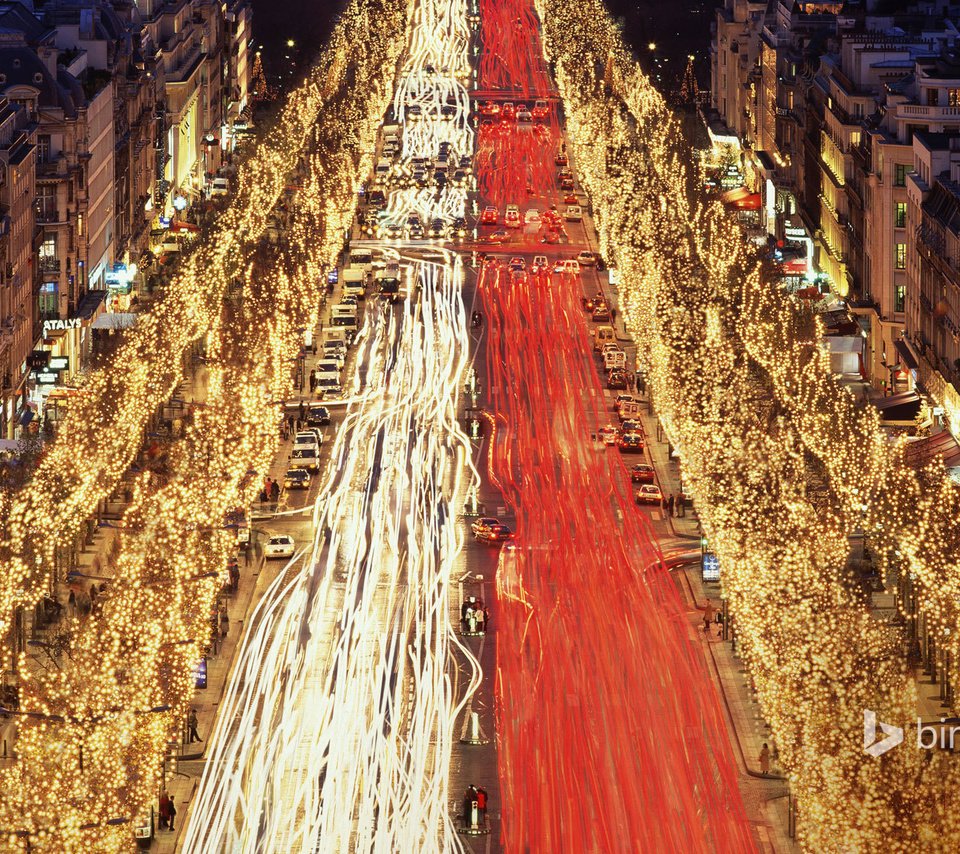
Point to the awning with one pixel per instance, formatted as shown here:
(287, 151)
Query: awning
(180, 225)
(899, 407)
(90, 303)
(904, 350)
(115, 320)
(844, 343)
(941, 445)
(742, 199)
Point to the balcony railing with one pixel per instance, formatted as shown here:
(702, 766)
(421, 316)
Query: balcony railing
(50, 265)
(48, 216)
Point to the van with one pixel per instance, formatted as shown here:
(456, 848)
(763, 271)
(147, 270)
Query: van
(574, 213)
(327, 368)
(603, 335)
(629, 410)
(360, 257)
(614, 359)
(305, 457)
(354, 282)
(334, 335)
(346, 322)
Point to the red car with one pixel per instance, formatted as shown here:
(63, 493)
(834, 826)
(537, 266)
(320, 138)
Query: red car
(571, 199)
(489, 108)
(642, 474)
(489, 216)
(494, 534)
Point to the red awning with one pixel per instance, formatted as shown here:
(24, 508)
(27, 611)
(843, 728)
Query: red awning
(180, 225)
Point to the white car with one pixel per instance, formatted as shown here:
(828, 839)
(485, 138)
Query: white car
(280, 545)
(574, 213)
(219, 187)
(532, 215)
(608, 434)
(512, 217)
(540, 264)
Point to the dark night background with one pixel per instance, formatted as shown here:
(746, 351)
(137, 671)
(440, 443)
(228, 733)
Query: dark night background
(677, 28)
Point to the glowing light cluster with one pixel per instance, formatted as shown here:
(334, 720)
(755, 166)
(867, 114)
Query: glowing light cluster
(119, 695)
(783, 464)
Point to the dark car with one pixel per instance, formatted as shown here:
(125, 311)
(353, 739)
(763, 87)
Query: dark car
(631, 443)
(318, 416)
(459, 228)
(617, 379)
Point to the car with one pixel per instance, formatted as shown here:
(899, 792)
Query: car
(574, 213)
(465, 163)
(571, 198)
(524, 115)
(279, 545)
(512, 217)
(490, 216)
(312, 432)
(518, 264)
(414, 112)
(306, 442)
(589, 303)
(219, 187)
(567, 185)
(567, 265)
(617, 379)
(498, 533)
(649, 494)
(622, 398)
(541, 110)
(460, 177)
(318, 416)
(601, 313)
(393, 231)
(587, 259)
(490, 108)
(551, 237)
(497, 237)
(561, 158)
(334, 351)
(376, 199)
(448, 112)
(642, 473)
(629, 425)
(298, 478)
(539, 264)
(484, 523)
(630, 443)
(438, 228)
(508, 111)
(459, 228)
(531, 216)
(415, 230)
(608, 434)
(329, 387)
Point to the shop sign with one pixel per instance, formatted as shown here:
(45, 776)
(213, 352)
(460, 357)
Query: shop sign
(38, 359)
(711, 567)
(200, 674)
(60, 363)
(55, 325)
(46, 377)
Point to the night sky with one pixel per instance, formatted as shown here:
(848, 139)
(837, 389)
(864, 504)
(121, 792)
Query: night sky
(677, 27)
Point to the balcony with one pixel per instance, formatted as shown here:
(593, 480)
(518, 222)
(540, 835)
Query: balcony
(48, 216)
(49, 265)
(922, 111)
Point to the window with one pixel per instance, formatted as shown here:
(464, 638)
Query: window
(900, 215)
(49, 307)
(933, 97)
(899, 297)
(46, 203)
(43, 148)
(48, 252)
(900, 175)
(953, 97)
(900, 263)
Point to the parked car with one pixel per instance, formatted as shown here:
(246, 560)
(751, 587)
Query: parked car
(617, 380)
(318, 416)
(279, 545)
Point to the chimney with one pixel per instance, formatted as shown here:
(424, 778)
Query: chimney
(48, 56)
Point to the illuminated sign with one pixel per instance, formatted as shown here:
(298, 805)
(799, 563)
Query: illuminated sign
(710, 568)
(200, 674)
(60, 363)
(54, 325)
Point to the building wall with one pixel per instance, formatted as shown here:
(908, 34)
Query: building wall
(99, 186)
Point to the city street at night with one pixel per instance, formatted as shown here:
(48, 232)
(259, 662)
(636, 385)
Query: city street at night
(479, 426)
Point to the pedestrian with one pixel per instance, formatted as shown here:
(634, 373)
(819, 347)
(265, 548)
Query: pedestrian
(275, 491)
(192, 726)
(765, 760)
(670, 505)
(235, 577)
(292, 420)
(72, 602)
(482, 804)
(680, 504)
(173, 813)
(164, 811)
(613, 315)
(303, 412)
(313, 381)
(663, 504)
(708, 613)
(224, 623)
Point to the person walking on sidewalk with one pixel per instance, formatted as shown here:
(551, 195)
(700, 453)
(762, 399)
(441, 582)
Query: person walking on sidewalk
(670, 505)
(303, 413)
(708, 612)
(164, 811)
(765, 760)
(224, 622)
(313, 381)
(680, 505)
(275, 491)
(192, 726)
(173, 812)
(482, 804)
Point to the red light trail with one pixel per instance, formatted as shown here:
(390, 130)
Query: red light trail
(611, 735)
